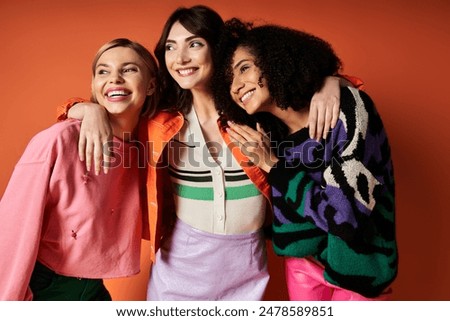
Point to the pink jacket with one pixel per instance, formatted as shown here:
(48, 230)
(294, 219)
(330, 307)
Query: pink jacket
(76, 223)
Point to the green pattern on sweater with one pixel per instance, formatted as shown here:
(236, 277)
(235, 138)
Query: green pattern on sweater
(335, 200)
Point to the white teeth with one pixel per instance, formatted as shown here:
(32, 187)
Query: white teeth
(116, 93)
(247, 95)
(185, 72)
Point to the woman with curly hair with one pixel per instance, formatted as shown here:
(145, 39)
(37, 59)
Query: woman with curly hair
(333, 199)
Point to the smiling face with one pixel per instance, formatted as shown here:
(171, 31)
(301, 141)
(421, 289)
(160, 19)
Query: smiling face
(249, 89)
(188, 58)
(121, 81)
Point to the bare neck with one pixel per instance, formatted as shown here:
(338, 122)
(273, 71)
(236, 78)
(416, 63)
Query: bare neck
(294, 119)
(207, 117)
(204, 106)
(123, 126)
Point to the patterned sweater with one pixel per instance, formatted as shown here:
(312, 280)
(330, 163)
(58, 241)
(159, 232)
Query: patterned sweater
(334, 199)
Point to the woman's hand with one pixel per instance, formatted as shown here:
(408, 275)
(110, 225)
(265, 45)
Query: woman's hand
(324, 109)
(95, 135)
(255, 144)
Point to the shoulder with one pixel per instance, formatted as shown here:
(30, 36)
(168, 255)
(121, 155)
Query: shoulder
(164, 121)
(65, 130)
(364, 102)
(163, 117)
(351, 97)
(356, 105)
(359, 115)
(46, 144)
(355, 100)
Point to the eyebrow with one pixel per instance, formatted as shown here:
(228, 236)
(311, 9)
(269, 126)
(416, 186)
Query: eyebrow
(185, 40)
(124, 64)
(101, 65)
(240, 62)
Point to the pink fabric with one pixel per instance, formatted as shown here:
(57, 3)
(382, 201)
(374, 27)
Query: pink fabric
(305, 282)
(76, 223)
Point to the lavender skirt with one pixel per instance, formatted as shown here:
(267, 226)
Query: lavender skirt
(193, 265)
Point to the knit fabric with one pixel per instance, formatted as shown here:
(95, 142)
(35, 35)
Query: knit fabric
(217, 188)
(334, 199)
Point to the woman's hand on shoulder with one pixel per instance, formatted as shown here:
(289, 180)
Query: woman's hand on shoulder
(324, 109)
(95, 135)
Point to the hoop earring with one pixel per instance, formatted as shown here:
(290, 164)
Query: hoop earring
(260, 83)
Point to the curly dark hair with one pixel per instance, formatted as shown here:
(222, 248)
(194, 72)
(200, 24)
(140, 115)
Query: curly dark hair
(294, 64)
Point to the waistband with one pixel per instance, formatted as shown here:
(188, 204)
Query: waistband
(181, 226)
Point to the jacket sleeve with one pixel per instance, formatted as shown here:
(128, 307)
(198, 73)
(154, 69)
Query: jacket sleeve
(63, 109)
(21, 217)
(355, 81)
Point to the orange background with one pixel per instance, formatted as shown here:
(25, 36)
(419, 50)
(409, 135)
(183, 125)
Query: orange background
(399, 48)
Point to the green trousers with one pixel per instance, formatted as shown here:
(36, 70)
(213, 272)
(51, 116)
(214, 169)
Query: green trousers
(46, 285)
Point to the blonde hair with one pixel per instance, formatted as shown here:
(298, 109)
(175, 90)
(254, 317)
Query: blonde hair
(152, 100)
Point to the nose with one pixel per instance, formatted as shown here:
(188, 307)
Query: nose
(116, 77)
(236, 85)
(182, 56)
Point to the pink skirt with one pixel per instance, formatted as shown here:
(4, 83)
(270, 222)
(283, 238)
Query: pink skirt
(196, 265)
(305, 282)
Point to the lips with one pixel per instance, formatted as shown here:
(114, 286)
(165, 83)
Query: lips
(113, 93)
(247, 96)
(186, 71)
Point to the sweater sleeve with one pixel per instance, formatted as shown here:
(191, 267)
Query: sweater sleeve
(63, 109)
(340, 197)
(21, 218)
